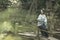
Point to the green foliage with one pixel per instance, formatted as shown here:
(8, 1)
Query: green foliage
(58, 9)
(4, 4)
(41, 4)
(20, 16)
(58, 1)
(27, 3)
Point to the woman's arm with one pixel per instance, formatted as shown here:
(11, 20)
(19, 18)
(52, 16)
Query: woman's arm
(39, 18)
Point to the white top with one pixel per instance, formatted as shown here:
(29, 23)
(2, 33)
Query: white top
(42, 19)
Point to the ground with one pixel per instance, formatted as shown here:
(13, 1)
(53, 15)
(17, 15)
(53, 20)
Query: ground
(11, 37)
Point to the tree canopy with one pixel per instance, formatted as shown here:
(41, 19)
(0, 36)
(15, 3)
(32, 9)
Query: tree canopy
(4, 4)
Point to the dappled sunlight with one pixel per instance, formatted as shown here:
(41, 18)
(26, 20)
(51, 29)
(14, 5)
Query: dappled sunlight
(9, 37)
(6, 26)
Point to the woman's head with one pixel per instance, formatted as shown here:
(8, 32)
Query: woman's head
(42, 11)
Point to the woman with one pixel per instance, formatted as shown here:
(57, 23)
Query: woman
(42, 23)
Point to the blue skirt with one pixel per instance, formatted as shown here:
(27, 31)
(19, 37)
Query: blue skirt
(43, 27)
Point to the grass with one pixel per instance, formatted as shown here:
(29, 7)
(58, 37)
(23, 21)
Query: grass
(4, 15)
(27, 20)
(10, 37)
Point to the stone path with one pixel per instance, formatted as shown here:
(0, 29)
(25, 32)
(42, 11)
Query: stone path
(28, 35)
(34, 35)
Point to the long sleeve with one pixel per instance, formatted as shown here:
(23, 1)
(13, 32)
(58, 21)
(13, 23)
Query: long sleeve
(39, 18)
(45, 20)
